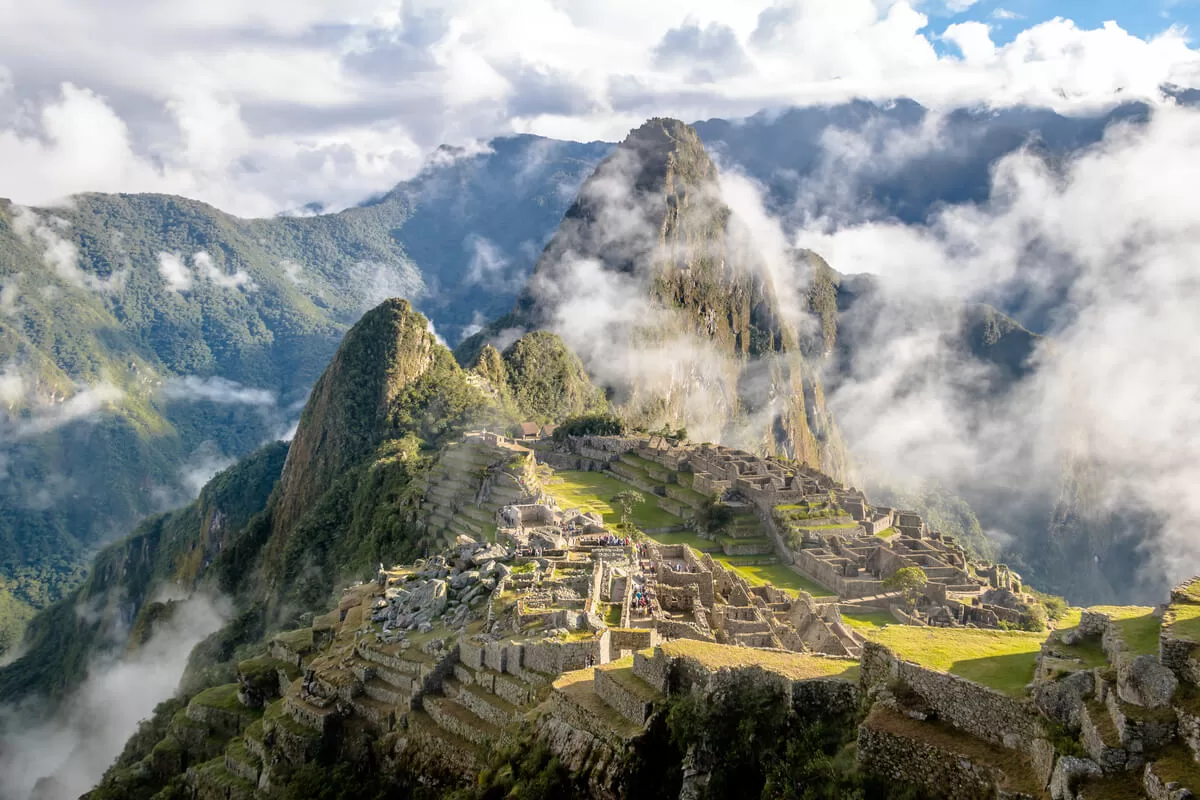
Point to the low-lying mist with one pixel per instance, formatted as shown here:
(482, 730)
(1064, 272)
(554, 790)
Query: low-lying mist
(73, 748)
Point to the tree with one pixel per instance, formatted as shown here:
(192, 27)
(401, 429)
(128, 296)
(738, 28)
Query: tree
(715, 515)
(626, 501)
(910, 581)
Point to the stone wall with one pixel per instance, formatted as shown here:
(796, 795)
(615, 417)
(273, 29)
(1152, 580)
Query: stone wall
(939, 772)
(622, 700)
(826, 575)
(677, 598)
(632, 638)
(703, 581)
(978, 710)
(654, 669)
(552, 658)
(1176, 655)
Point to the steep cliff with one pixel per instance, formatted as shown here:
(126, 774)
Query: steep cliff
(350, 408)
(111, 608)
(658, 285)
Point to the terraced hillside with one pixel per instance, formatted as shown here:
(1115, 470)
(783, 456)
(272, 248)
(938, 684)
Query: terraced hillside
(472, 481)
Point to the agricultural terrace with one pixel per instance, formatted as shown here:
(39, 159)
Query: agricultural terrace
(866, 621)
(1138, 625)
(779, 575)
(593, 491)
(795, 666)
(1002, 660)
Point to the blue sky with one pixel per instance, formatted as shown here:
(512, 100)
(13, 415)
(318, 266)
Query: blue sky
(1142, 18)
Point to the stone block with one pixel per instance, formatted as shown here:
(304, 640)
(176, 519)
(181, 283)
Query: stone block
(1143, 681)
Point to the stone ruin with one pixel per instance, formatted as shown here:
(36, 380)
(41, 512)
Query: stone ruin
(826, 531)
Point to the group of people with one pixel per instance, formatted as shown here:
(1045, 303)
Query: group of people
(641, 600)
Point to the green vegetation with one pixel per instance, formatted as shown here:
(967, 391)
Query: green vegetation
(1002, 660)
(1138, 625)
(794, 666)
(627, 500)
(1056, 607)
(1183, 621)
(603, 424)
(867, 621)
(547, 381)
(587, 490)
(909, 581)
(753, 747)
(779, 575)
(714, 516)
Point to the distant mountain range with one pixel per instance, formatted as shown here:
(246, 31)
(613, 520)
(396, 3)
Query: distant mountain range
(147, 340)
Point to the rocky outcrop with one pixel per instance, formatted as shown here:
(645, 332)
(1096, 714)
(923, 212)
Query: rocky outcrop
(347, 414)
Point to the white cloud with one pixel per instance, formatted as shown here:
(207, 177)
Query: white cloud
(1006, 15)
(490, 266)
(175, 272)
(216, 390)
(269, 110)
(46, 410)
(373, 282)
(12, 386)
(180, 278)
(293, 272)
(1114, 394)
(10, 289)
(973, 40)
(82, 739)
(203, 264)
(60, 255)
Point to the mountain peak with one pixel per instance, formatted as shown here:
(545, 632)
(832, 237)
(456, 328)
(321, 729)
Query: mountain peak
(387, 350)
(661, 148)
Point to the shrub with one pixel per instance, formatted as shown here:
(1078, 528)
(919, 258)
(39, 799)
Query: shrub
(590, 425)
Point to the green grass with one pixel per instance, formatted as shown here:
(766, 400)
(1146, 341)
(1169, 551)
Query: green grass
(796, 666)
(688, 493)
(1137, 624)
(867, 621)
(1002, 660)
(1183, 621)
(222, 697)
(1069, 619)
(612, 614)
(299, 640)
(886, 533)
(1191, 592)
(778, 575)
(644, 464)
(685, 537)
(592, 491)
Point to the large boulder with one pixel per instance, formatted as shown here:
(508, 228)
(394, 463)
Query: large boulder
(1145, 682)
(430, 600)
(493, 552)
(1062, 700)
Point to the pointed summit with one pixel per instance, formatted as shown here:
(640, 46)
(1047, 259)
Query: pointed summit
(385, 352)
(659, 287)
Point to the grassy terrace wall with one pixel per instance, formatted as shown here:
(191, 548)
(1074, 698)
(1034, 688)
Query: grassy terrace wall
(988, 714)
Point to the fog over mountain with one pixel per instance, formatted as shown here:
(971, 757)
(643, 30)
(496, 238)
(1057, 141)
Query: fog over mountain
(943, 250)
